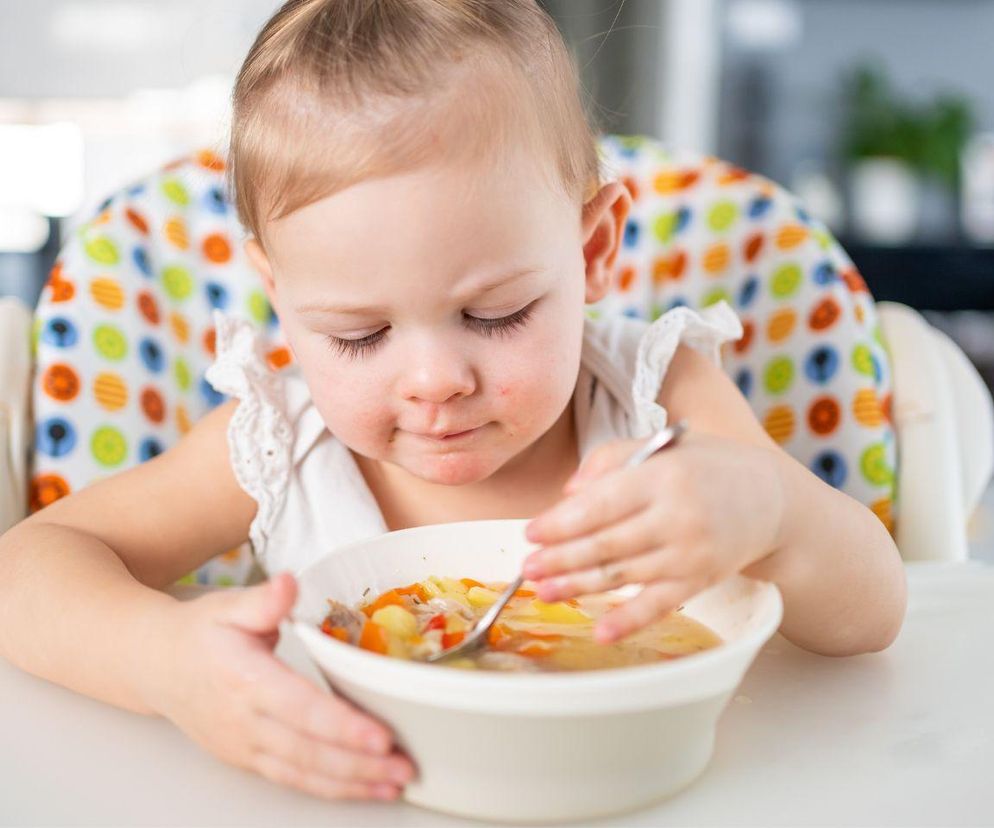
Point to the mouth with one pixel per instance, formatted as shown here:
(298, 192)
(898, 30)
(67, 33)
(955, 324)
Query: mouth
(450, 436)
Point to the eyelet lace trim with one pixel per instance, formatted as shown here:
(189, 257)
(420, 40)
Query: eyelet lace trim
(260, 438)
(704, 330)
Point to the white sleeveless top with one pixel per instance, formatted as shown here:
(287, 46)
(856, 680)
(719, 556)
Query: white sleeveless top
(310, 493)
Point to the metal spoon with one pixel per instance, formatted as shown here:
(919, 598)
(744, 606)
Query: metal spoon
(657, 442)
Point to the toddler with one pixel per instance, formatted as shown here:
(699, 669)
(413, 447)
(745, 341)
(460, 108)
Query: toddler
(421, 189)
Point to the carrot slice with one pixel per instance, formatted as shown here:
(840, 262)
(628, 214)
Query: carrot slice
(437, 622)
(545, 636)
(524, 593)
(469, 582)
(450, 639)
(498, 635)
(374, 638)
(340, 633)
(535, 649)
(416, 590)
(385, 600)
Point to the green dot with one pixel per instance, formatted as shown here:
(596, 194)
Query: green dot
(656, 312)
(178, 282)
(181, 371)
(715, 295)
(878, 335)
(174, 190)
(258, 307)
(108, 446)
(786, 279)
(102, 250)
(224, 581)
(189, 578)
(778, 375)
(36, 326)
(823, 237)
(631, 142)
(110, 342)
(592, 313)
(722, 216)
(862, 360)
(873, 464)
(664, 226)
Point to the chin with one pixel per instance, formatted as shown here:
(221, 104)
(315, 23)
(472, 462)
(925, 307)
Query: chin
(455, 469)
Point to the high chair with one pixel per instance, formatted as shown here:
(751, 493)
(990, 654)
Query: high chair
(869, 397)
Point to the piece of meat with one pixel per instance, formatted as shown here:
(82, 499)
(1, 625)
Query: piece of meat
(352, 620)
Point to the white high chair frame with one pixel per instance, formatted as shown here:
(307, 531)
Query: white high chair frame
(943, 418)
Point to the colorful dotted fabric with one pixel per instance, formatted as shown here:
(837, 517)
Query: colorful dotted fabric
(123, 331)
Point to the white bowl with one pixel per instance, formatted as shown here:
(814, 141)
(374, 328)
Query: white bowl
(536, 747)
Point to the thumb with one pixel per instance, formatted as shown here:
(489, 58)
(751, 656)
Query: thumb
(260, 608)
(606, 457)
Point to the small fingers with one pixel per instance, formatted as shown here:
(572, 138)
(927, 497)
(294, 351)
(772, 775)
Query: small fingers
(654, 601)
(292, 776)
(640, 569)
(314, 756)
(291, 699)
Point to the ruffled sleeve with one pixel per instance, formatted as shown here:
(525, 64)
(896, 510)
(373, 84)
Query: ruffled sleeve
(260, 437)
(705, 331)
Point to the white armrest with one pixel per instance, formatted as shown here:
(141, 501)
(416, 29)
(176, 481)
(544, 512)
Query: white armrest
(945, 426)
(15, 394)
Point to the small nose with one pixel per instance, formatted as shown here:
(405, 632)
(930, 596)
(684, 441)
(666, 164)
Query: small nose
(435, 373)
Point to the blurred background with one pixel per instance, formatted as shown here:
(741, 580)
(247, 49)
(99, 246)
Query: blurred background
(879, 114)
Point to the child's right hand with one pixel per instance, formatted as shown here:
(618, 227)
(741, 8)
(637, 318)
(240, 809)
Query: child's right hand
(224, 688)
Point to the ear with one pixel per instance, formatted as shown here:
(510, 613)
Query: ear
(260, 261)
(603, 227)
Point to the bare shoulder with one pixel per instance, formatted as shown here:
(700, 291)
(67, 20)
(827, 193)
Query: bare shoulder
(699, 391)
(167, 516)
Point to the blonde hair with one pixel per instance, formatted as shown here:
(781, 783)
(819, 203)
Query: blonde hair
(333, 92)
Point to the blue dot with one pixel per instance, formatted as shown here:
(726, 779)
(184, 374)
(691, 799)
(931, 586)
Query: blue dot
(830, 467)
(877, 371)
(677, 302)
(105, 204)
(748, 291)
(743, 379)
(59, 332)
(151, 355)
(215, 202)
(212, 396)
(217, 295)
(55, 437)
(821, 364)
(824, 274)
(803, 216)
(631, 234)
(140, 257)
(683, 217)
(136, 190)
(632, 313)
(759, 206)
(149, 448)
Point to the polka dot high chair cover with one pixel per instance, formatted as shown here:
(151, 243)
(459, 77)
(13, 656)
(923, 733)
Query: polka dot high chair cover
(123, 330)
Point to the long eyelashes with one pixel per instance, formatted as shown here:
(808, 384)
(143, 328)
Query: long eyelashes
(502, 326)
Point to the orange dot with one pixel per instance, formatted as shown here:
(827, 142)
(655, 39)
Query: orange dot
(626, 278)
(279, 358)
(217, 249)
(670, 266)
(153, 405)
(137, 220)
(210, 341)
(107, 293)
(779, 423)
(753, 246)
(181, 328)
(110, 391)
(211, 160)
(149, 307)
(175, 233)
(731, 176)
(825, 314)
(46, 489)
(854, 281)
(60, 382)
(791, 235)
(883, 510)
(823, 416)
(716, 258)
(780, 325)
(183, 422)
(741, 345)
(866, 408)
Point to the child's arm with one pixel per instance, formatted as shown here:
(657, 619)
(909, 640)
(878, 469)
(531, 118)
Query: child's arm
(727, 499)
(79, 606)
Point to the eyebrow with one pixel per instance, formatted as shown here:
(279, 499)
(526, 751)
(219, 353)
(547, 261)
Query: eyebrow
(485, 287)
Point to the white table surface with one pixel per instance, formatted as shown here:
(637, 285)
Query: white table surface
(904, 737)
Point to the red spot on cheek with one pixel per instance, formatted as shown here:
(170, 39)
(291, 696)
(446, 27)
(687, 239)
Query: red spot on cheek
(503, 390)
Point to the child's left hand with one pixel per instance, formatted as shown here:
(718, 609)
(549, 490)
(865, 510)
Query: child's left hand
(688, 517)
